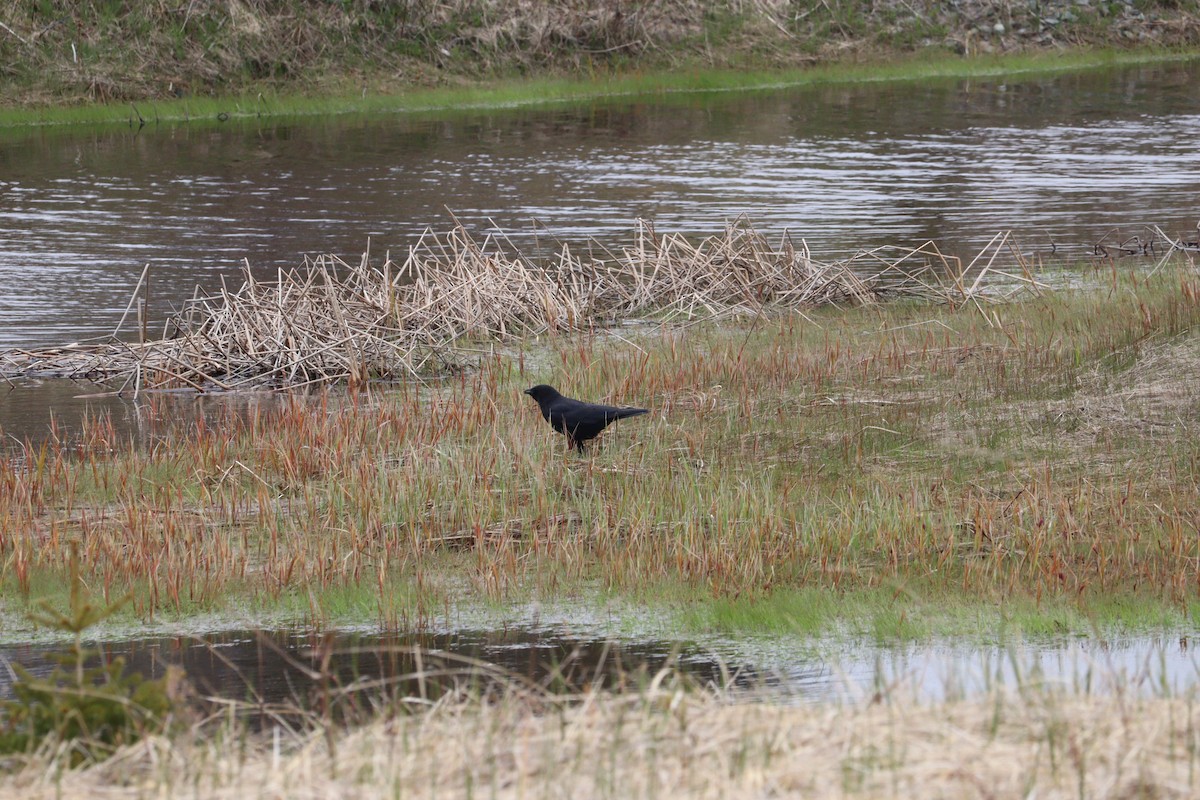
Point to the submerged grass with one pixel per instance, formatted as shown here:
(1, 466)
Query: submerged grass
(1039, 454)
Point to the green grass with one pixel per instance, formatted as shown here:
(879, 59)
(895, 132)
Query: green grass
(820, 614)
(543, 91)
(891, 613)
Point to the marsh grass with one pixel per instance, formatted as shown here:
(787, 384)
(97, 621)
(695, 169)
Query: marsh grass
(1039, 451)
(94, 709)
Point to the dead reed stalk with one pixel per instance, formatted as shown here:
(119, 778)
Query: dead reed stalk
(330, 320)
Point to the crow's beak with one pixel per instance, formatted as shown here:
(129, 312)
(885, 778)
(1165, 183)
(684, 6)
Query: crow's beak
(529, 392)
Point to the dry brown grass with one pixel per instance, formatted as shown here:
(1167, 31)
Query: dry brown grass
(106, 50)
(1111, 412)
(670, 743)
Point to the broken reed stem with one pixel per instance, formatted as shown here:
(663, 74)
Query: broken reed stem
(330, 320)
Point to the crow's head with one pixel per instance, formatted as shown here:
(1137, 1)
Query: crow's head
(543, 393)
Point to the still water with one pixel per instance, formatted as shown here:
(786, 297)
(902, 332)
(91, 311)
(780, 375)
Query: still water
(276, 673)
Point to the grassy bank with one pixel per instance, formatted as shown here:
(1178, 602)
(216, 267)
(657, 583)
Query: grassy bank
(541, 91)
(1023, 742)
(1036, 454)
(199, 60)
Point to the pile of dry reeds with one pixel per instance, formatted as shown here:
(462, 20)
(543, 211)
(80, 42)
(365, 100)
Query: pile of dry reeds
(739, 271)
(330, 320)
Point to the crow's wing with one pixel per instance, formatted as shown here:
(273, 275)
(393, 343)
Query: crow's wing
(582, 421)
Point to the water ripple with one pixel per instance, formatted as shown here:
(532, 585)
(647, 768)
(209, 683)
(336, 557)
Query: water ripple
(1063, 159)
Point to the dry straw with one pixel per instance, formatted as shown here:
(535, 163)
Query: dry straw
(331, 320)
(670, 743)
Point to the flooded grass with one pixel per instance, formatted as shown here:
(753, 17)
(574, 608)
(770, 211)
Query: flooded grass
(496, 94)
(281, 677)
(1038, 454)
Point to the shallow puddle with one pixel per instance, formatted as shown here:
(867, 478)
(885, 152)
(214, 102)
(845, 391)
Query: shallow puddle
(282, 674)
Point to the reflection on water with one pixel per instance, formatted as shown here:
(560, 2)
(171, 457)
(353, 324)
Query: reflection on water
(38, 411)
(274, 671)
(944, 669)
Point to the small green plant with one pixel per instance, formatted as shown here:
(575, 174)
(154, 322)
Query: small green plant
(97, 707)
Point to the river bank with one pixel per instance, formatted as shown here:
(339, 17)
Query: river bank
(102, 52)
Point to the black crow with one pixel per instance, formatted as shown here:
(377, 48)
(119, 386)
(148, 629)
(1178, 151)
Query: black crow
(578, 420)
